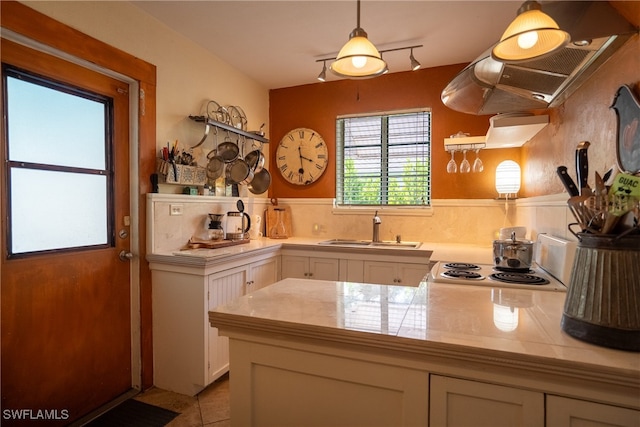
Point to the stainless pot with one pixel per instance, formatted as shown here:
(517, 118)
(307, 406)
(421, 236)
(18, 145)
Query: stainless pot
(255, 160)
(239, 172)
(513, 253)
(260, 182)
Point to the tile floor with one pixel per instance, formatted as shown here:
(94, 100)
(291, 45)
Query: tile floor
(209, 408)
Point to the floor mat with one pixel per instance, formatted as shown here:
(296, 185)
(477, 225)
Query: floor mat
(135, 414)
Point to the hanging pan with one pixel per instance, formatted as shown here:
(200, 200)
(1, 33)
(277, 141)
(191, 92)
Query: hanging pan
(215, 165)
(260, 182)
(255, 159)
(228, 149)
(239, 172)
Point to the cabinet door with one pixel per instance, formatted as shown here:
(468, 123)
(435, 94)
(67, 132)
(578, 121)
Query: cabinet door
(384, 273)
(393, 273)
(454, 402)
(224, 286)
(324, 269)
(411, 274)
(262, 273)
(354, 271)
(564, 412)
(294, 266)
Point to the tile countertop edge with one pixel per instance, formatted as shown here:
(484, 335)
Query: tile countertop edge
(231, 324)
(436, 251)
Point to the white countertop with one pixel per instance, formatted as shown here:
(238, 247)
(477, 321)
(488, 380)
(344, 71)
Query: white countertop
(433, 317)
(435, 251)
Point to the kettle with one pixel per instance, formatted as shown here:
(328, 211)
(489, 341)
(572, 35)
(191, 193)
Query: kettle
(238, 224)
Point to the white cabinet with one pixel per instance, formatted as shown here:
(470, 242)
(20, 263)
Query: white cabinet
(457, 402)
(263, 273)
(302, 267)
(462, 402)
(565, 412)
(394, 273)
(188, 353)
(223, 287)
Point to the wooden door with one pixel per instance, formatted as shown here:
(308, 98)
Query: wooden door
(66, 314)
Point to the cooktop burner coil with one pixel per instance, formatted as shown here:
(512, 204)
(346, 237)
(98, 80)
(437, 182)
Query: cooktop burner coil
(519, 278)
(462, 274)
(526, 270)
(461, 266)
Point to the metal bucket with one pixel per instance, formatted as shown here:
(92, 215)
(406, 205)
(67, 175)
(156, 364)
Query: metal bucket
(603, 304)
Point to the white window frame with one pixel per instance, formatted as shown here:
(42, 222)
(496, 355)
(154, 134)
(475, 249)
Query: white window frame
(401, 210)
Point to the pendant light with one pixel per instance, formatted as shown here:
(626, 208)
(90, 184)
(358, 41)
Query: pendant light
(358, 58)
(531, 35)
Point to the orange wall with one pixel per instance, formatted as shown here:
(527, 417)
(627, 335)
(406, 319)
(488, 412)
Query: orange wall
(317, 105)
(585, 116)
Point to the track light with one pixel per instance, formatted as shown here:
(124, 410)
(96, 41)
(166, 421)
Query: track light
(323, 74)
(385, 69)
(358, 58)
(414, 62)
(531, 35)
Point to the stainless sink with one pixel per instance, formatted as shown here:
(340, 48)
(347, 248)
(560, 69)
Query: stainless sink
(345, 242)
(369, 243)
(414, 245)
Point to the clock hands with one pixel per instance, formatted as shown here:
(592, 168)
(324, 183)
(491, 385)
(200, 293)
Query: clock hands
(301, 170)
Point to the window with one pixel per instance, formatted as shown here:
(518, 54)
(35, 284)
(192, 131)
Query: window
(59, 179)
(384, 159)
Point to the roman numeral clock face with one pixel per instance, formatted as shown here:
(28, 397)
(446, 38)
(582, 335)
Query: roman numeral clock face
(302, 156)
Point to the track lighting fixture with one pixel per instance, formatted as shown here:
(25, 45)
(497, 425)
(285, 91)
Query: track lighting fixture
(532, 34)
(414, 62)
(385, 69)
(323, 74)
(358, 58)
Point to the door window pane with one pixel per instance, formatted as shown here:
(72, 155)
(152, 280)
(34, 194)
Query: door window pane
(60, 177)
(52, 127)
(51, 210)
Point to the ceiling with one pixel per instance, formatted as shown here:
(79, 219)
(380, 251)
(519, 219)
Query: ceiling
(277, 43)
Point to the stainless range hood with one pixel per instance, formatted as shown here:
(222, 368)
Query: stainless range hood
(487, 86)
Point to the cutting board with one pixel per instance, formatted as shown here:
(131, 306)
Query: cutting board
(271, 216)
(195, 243)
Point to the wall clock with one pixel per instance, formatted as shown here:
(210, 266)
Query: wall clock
(302, 156)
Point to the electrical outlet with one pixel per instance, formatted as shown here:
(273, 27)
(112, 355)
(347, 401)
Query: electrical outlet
(175, 210)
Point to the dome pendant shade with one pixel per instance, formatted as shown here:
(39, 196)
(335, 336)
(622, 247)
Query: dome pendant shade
(358, 58)
(532, 34)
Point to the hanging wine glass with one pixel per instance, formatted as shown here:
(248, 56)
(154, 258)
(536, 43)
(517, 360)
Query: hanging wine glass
(451, 166)
(465, 166)
(477, 163)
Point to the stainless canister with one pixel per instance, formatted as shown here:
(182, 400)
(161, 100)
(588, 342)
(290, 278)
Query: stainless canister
(602, 305)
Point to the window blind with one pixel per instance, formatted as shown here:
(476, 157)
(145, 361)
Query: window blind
(384, 160)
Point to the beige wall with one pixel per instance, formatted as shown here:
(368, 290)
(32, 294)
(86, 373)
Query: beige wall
(585, 116)
(187, 74)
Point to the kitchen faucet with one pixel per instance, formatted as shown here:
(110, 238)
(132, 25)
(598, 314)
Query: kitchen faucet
(376, 227)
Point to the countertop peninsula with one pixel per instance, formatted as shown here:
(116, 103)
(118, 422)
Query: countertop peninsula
(439, 322)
